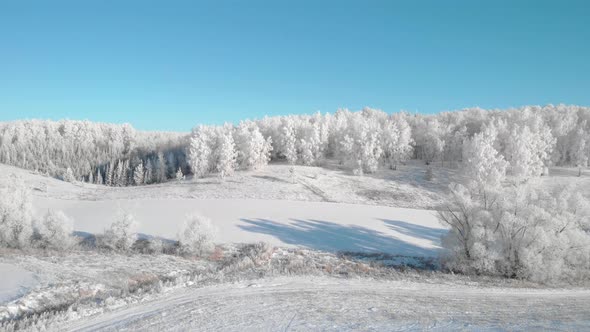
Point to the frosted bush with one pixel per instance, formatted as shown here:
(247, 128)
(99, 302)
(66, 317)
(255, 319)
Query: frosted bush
(122, 233)
(15, 214)
(196, 236)
(518, 232)
(54, 231)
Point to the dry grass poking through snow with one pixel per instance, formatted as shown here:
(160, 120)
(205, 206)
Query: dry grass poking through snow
(86, 283)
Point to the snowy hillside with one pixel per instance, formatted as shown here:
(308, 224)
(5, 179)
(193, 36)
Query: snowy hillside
(279, 212)
(406, 187)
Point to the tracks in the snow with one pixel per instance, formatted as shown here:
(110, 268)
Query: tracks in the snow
(302, 304)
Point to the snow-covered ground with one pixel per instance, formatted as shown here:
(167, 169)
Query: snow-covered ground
(320, 304)
(14, 282)
(405, 187)
(315, 225)
(278, 290)
(253, 206)
(326, 209)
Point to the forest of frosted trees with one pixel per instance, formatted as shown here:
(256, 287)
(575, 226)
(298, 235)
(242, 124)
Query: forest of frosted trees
(529, 139)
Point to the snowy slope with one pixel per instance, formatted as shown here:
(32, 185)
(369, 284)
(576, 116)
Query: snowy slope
(320, 304)
(403, 188)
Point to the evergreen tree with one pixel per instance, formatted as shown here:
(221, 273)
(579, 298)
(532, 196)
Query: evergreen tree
(226, 154)
(138, 174)
(99, 179)
(179, 175)
(149, 172)
(200, 152)
(109, 181)
(160, 168)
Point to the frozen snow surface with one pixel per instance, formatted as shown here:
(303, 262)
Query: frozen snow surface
(14, 282)
(315, 225)
(324, 209)
(320, 304)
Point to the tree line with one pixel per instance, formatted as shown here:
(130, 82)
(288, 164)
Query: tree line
(529, 138)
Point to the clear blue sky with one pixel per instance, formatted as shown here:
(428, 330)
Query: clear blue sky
(168, 65)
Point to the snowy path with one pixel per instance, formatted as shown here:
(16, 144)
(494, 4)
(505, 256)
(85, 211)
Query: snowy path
(303, 304)
(315, 225)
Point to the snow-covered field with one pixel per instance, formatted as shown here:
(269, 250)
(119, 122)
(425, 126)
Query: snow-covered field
(243, 214)
(279, 290)
(315, 225)
(328, 304)
(15, 282)
(325, 209)
(406, 187)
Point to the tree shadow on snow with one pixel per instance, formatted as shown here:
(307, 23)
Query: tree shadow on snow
(330, 236)
(413, 230)
(270, 178)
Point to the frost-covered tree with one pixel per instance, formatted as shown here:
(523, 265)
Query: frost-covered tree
(526, 153)
(179, 175)
(453, 150)
(519, 231)
(253, 151)
(109, 177)
(226, 153)
(16, 214)
(361, 144)
(310, 140)
(200, 152)
(481, 162)
(160, 168)
(396, 140)
(580, 148)
(306, 154)
(98, 179)
(149, 172)
(316, 134)
(429, 138)
(69, 175)
(138, 174)
(55, 231)
(197, 235)
(118, 175)
(288, 141)
(527, 142)
(122, 233)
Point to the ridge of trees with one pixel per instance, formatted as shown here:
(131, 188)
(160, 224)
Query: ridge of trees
(529, 139)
